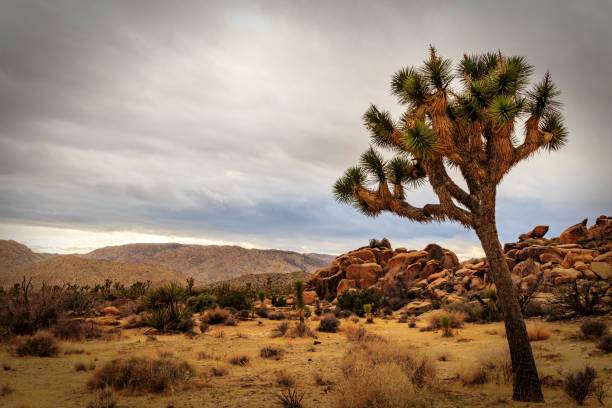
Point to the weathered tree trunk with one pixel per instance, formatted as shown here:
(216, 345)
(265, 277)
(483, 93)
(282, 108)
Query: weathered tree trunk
(527, 385)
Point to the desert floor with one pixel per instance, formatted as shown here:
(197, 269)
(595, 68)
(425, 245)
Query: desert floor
(54, 382)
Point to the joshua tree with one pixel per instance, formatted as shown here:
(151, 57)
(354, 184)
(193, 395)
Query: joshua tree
(465, 121)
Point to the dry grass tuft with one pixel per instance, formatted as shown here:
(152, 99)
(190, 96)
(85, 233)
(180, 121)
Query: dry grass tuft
(359, 334)
(271, 352)
(140, 375)
(538, 333)
(280, 330)
(219, 371)
(285, 378)
(40, 345)
(457, 318)
(239, 359)
(493, 366)
(6, 390)
(386, 377)
(301, 329)
(216, 316)
(104, 399)
(76, 330)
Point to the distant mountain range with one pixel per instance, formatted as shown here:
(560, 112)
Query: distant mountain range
(156, 262)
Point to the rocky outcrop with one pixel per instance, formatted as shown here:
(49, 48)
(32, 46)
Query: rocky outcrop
(581, 255)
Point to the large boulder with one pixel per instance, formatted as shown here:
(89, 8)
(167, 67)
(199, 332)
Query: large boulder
(602, 269)
(417, 307)
(565, 275)
(574, 233)
(602, 229)
(537, 232)
(403, 260)
(366, 274)
(345, 284)
(536, 251)
(310, 296)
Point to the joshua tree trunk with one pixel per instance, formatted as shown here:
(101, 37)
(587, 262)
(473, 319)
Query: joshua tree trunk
(526, 381)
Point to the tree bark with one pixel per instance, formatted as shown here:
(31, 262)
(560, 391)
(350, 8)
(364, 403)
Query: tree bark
(527, 385)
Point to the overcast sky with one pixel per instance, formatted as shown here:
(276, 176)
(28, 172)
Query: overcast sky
(228, 122)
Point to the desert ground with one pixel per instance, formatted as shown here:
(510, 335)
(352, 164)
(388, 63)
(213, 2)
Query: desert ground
(314, 368)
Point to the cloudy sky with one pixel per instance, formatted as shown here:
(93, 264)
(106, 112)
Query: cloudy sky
(228, 122)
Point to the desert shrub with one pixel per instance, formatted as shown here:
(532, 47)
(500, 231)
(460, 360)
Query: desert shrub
(76, 330)
(386, 377)
(491, 366)
(285, 378)
(80, 367)
(104, 399)
(320, 380)
(594, 328)
(166, 311)
(216, 316)
(234, 298)
(276, 316)
(301, 329)
(219, 371)
(367, 311)
(579, 384)
(280, 330)
(605, 343)
(290, 398)
(359, 334)
(39, 345)
(239, 359)
(456, 318)
(445, 323)
(138, 375)
(354, 300)
(271, 352)
(329, 324)
(186, 325)
(201, 303)
(261, 312)
(538, 333)
(278, 301)
(318, 311)
(203, 327)
(231, 321)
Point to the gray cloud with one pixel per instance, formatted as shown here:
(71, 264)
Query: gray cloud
(232, 120)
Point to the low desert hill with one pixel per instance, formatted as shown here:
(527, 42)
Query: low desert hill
(210, 263)
(15, 256)
(73, 269)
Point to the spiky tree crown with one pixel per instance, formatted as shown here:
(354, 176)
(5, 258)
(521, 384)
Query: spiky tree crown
(464, 118)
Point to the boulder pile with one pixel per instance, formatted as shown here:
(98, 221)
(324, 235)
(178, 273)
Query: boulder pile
(434, 273)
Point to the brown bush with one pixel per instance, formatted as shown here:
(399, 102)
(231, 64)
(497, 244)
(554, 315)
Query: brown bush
(137, 375)
(219, 371)
(386, 377)
(538, 333)
(359, 334)
(492, 366)
(104, 399)
(285, 379)
(301, 329)
(579, 384)
(594, 328)
(39, 345)
(605, 343)
(329, 324)
(457, 318)
(216, 316)
(271, 352)
(280, 330)
(76, 330)
(239, 359)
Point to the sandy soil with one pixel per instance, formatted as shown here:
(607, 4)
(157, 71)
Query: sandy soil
(54, 382)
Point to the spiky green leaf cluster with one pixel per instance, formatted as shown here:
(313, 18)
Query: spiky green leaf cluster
(374, 164)
(410, 87)
(504, 109)
(345, 185)
(419, 140)
(543, 98)
(553, 123)
(379, 124)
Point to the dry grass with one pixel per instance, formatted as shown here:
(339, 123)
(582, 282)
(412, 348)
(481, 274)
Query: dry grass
(139, 375)
(280, 330)
(239, 359)
(386, 376)
(6, 390)
(300, 330)
(39, 345)
(271, 352)
(216, 316)
(359, 334)
(76, 330)
(285, 378)
(219, 371)
(538, 333)
(457, 318)
(492, 366)
(104, 399)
